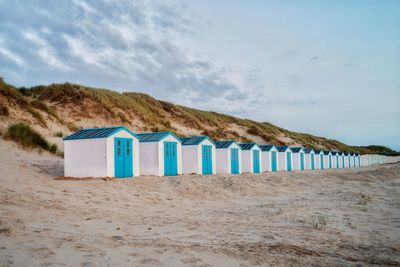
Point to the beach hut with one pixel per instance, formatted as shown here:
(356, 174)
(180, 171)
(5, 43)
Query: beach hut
(251, 157)
(347, 159)
(298, 158)
(358, 160)
(339, 159)
(309, 158)
(319, 159)
(354, 160)
(327, 159)
(336, 159)
(228, 155)
(285, 158)
(198, 155)
(364, 160)
(269, 158)
(102, 152)
(160, 154)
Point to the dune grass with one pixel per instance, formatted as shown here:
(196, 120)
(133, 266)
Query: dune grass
(130, 107)
(28, 138)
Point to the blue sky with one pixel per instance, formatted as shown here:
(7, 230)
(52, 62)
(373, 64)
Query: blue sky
(329, 68)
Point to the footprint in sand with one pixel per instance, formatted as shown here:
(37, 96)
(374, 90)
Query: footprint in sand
(150, 260)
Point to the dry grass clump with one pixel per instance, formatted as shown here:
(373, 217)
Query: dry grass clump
(28, 138)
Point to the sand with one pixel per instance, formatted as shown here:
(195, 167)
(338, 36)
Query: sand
(322, 218)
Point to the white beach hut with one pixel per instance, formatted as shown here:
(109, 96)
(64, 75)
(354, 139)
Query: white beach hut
(269, 158)
(364, 160)
(299, 163)
(354, 161)
(327, 159)
(319, 159)
(198, 155)
(309, 158)
(285, 158)
(347, 160)
(228, 155)
(335, 160)
(340, 159)
(251, 157)
(102, 152)
(160, 154)
(357, 160)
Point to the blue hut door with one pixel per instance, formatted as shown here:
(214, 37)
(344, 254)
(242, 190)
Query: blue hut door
(128, 162)
(170, 159)
(302, 161)
(256, 161)
(342, 161)
(312, 162)
(337, 162)
(288, 161)
(123, 159)
(330, 161)
(206, 152)
(349, 162)
(321, 159)
(234, 160)
(274, 166)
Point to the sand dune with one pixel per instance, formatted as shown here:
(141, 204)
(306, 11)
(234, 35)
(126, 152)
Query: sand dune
(330, 218)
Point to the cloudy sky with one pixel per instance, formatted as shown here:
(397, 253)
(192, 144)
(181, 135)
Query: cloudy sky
(330, 68)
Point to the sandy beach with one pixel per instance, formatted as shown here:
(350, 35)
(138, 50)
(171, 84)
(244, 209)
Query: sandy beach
(323, 218)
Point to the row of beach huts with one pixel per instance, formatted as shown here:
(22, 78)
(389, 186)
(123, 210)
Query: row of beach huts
(118, 152)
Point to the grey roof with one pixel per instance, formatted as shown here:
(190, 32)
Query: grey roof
(308, 150)
(282, 148)
(224, 143)
(91, 133)
(295, 149)
(266, 148)
(194, 140)
(247, 146)
(154, 137)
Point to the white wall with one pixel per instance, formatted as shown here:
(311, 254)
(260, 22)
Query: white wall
(346, 161)
(266, 161)
(307, 160)
(110, 153)
(334, 166)
(296, 161)
(247, 163)
(317, 161)
(282, 166)
(223, 160)
(85, 158)
(149, 160)
(326, 161)
(190, 159)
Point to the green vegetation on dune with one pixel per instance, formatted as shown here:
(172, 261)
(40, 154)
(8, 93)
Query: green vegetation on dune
(27, 137)
(130, 107)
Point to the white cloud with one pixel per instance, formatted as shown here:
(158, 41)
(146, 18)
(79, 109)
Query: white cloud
(45, 50)
(12, 56)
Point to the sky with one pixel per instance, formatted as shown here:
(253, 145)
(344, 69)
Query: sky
(329, 68)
